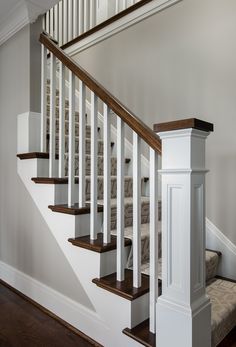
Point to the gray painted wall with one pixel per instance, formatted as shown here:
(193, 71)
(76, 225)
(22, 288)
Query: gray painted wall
(26, 242)
(178, 64)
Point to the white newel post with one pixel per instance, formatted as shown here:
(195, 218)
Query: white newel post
(183, 309)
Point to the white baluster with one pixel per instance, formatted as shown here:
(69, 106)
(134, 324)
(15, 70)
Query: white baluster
(62, 120)
(93, 183)
(51, 29)
(44, 22)
(107, 175)
(61, 24)
(75, 18)
(82, 135)
(120, 200)
(71, 171)
(47, 29)
(65, 21)
(153, 277)
(52, 159)
(124, 4)
(136, 211)
(43, 97)
(70, 20)
(56, 22)
(117, 6)
(92, 14)
(81, 17)
(86, 15)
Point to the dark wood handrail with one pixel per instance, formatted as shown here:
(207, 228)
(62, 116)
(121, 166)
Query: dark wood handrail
(146, 133)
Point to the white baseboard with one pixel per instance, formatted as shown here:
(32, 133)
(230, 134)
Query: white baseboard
(70, 311)
(216, 240)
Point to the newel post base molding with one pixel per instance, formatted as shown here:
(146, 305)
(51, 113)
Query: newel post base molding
(183, 309)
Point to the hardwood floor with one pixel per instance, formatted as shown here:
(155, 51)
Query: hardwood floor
(23, 324)
(230, 340)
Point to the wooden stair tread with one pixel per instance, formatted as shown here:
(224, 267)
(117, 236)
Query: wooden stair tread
(125, 288)
(51, 180)
(97, 245)
(141, 334)
(33, 155)
(73, 210)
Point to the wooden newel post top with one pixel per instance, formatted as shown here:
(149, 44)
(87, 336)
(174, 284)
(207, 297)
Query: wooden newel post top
(192, 123)
(183, 304)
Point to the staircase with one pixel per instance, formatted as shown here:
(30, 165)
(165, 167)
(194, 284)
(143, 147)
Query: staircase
(105, 213)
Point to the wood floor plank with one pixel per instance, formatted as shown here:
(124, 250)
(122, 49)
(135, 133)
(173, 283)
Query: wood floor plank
(25, 324)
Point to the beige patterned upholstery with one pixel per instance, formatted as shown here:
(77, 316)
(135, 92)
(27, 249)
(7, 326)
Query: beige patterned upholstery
(223, 299)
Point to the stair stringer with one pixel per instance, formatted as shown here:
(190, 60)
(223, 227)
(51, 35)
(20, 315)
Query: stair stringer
(112, 312)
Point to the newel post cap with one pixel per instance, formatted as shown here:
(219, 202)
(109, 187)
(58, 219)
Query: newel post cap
(193, 123)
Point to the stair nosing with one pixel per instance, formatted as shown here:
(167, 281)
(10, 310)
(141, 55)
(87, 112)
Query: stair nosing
(128, 332)
(73, 211)
(100, 282)
(83, 242)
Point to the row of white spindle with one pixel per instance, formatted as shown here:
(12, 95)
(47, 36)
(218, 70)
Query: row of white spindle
(71, 18)
(76, 193)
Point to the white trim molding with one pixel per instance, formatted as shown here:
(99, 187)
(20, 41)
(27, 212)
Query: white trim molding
(215, 239)
(121, 24)
(57, 303)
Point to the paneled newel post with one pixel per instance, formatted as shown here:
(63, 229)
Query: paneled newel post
(183, 309)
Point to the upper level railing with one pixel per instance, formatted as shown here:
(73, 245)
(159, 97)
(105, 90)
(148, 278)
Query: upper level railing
(89, 87)
(71, 18)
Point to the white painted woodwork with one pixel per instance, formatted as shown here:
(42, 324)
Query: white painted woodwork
(47, 21)
(117, 6)
(136, 210)
(99, 326)
(70, 20)
(65, 21)
(44, 22)
(107, 175)
(94, 153)
(52, 153)
(43, 97)
(92, 14)
(119, 25)
(75, 18)
(153, 243)
(81, 17)
(61, 120)
(51, 23)
(120, 199)
(82, 132)
(71, 165)
(183, 302)
(124, 4)
(61, 24)
(56, 22)
(86, 15)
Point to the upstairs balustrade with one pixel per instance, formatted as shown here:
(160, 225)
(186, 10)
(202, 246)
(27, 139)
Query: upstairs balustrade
(70, 18)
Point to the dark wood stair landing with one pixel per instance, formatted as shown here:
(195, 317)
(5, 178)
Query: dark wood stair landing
(97, 245)
(141, 334)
